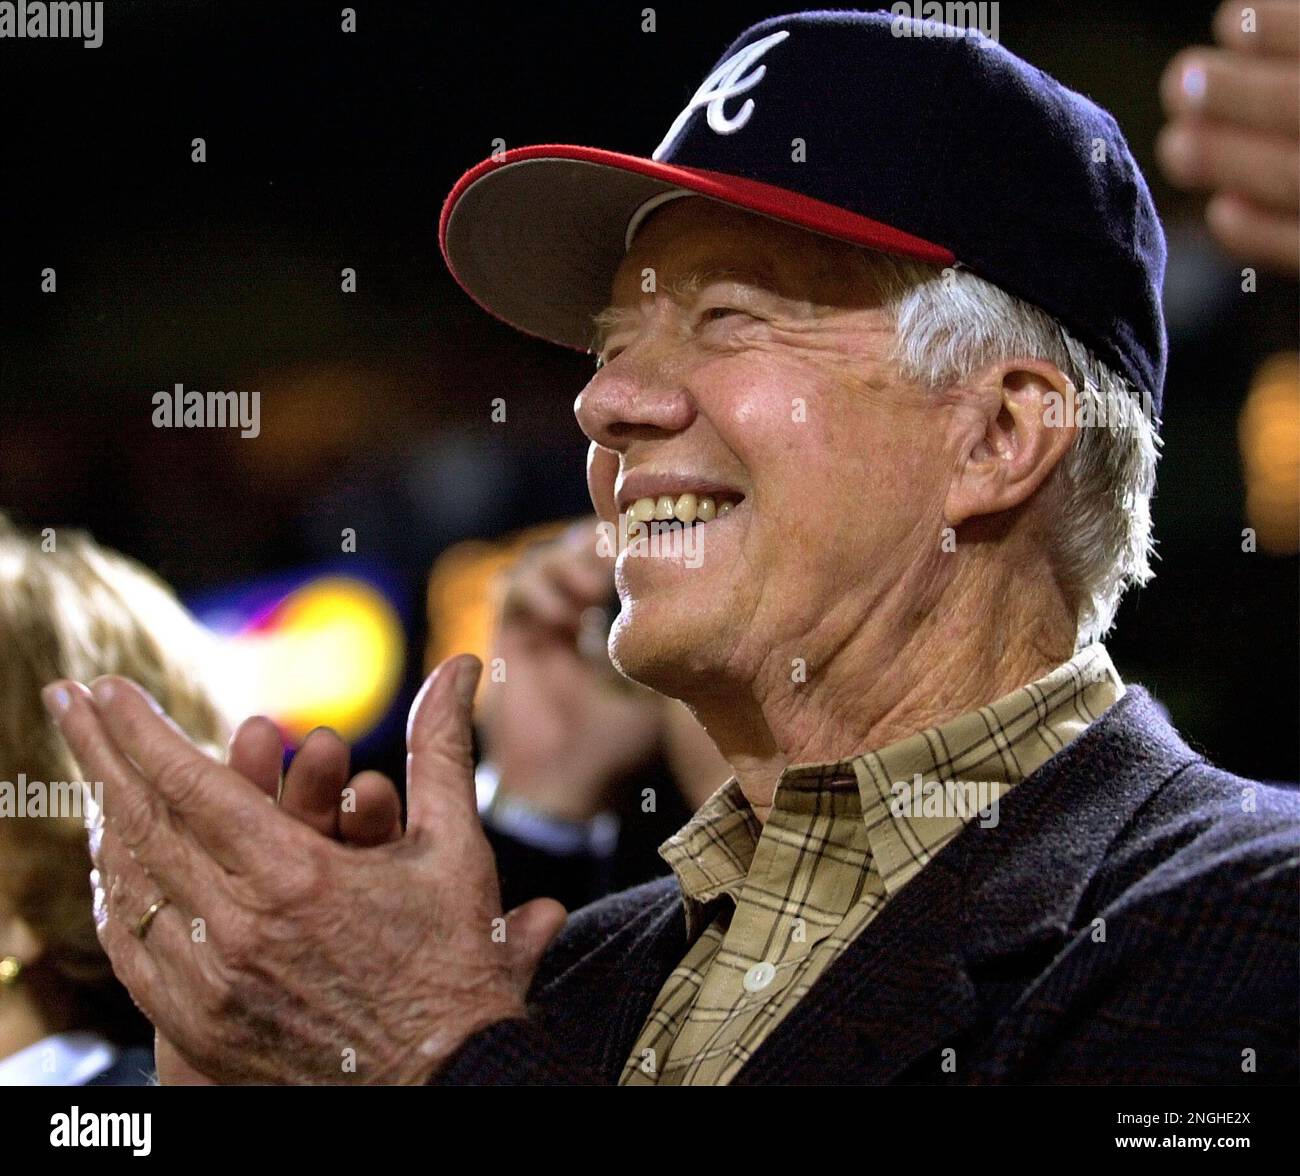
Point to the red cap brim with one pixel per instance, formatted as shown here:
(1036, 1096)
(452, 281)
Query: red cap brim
(535, 236)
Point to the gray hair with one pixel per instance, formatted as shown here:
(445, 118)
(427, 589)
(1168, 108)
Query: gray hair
(950, 323)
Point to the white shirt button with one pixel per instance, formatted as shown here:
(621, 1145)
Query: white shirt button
(759, 977)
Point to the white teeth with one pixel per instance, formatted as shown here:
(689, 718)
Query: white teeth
(685, 508)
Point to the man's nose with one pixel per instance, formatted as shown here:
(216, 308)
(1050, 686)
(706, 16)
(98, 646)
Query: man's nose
(634, 397)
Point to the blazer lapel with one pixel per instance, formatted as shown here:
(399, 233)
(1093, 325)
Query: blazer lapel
(596, 1001)
(897, 991)
(981, 920)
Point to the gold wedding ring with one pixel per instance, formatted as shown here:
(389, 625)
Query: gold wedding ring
(142, 927)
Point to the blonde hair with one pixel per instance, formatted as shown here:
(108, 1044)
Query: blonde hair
(72, 609)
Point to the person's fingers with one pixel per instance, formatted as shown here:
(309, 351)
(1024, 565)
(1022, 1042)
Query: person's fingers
(128, 802)
(529, 931)
(129, 892)
(132, 963)
(155, 966)
(1256, 234)
(583, 539)
(314, 787)
(586, 579)
(536, 597)
(256, 752)
(439, 762)
(158, 970)
(223, 810)
(1264, 168)
(314, 783)
(374, 814)
(556, 582)
(1259, 26)
(1258, 94)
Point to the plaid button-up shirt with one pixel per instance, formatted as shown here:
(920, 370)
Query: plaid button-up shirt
(841, 840)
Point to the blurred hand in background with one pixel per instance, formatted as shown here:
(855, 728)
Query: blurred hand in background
(558, 722)
(1234, 129)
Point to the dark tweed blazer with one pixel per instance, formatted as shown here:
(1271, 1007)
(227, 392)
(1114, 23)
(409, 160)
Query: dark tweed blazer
(1133, 918)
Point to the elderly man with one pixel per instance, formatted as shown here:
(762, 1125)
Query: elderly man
(899, 372)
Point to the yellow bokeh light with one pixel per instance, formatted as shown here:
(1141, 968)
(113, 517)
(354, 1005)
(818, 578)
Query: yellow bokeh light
(333, 657)
(1269, 436)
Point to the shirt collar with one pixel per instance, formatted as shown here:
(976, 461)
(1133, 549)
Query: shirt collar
(972, 761)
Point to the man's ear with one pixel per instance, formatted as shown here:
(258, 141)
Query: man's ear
(1026, 408)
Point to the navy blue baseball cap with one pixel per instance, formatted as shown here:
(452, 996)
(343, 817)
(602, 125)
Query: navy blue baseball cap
(918, 139)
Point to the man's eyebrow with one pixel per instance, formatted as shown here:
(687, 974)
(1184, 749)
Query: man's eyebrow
(692, 282)
(686, 286)
(607, 322)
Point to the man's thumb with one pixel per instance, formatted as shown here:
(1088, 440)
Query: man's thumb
(440, 748)
(529, 931)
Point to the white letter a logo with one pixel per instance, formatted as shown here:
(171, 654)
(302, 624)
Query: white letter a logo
(727, 81)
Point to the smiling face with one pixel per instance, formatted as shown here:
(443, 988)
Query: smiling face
(758, 373)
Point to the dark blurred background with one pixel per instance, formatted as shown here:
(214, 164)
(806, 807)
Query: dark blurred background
(327, 149)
